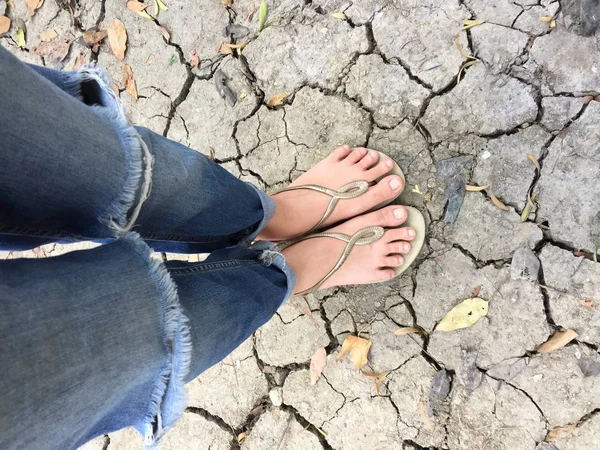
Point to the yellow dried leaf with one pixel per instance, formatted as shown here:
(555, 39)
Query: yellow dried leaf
(117, 37)
(409, 330)
(338, 15)
(358, 349)
(534, 160)
(460, 48)
(4, 24)
(553, 24)
(462, 69)
(162, 6)
(464, 315)
(278, 99)
(317, 364)
(129, 82)
(228, 3)
(48, 35)
(156, 7)
(495, 200)
(528, 207)
(546, 19)
(241, 437)
(560, 432)
(471, 188)
(558, 340)
(21, 37)
(416, 189)
(263, 11)
(471, 23)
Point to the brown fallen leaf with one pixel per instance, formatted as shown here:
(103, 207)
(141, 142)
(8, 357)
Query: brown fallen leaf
(241, 437)
(225, 49)
(587, 99)
(317, 364)
(462, 69)
(278, 99)
(495, 200)
(409, 330)
(476, 292)
(558, 340)
(165, 33)
(117, 37)
(358, 349)
(139, 8)
(4, 24)
(129, 82)
(588, 303)
(93, 39)
(559, 432)
(460, 48)
(48, 35)
(53, 52)
(534, 160)
(472, 188)
(228, 3)
(380, 378)
(33, 6)
(194, 59)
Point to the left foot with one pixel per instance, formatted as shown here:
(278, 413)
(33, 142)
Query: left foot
(296, 212)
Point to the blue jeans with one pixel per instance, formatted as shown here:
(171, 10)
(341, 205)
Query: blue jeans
(97, 340)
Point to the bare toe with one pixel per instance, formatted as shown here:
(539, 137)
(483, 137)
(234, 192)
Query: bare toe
(356, 155)
(384, 275)
(398, 247)
(400, 234)
(369, 160)
(384, 166)
(384, 190)
(392, 261)
(340, 153)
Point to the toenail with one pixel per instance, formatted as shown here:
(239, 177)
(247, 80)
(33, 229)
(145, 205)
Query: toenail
(389, 163)
(400, 260)
(394, 183)
(411, 232)
(399, 213)
(373, 154)
(406, 247)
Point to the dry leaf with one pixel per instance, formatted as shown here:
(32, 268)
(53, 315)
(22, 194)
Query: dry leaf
(495, 200)
(278, 99)
(553, 24)
(161, 5)
(559, 432)
(21, 38)
(358, 349)
(546, 19)
(48, 35)
(263, 11)
(558, 340)
(409, 330)
(380, 378)
(587, 99)
(228, 3)
(471, 23)
(117, 37)
(534, 160)
(528, 207)
(225, 49)
(338, 15)
(53, 52)
(93, 39)
(147, 58)
(588, 303)
(462, 51)
(241, 437)
(194, 59)
(139, 8)
(129, 82)
(317, 364)
(165, 33)
(33, 6)
(476, 292)
(471, 188)
(462, 69)
(464, 315)
(4, 24)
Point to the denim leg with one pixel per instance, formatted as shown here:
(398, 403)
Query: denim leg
(71, 167)
(97, 340)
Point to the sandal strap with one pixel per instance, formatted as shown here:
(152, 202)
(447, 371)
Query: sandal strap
(348, 191)
(362, 237)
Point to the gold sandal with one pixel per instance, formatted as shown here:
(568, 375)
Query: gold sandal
(364, 237)
(348, 191)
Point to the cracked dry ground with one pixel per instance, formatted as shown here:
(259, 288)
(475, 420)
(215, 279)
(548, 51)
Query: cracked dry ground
(386, 78)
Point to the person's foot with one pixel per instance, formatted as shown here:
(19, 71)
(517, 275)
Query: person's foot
(296, 212)
(312, 259)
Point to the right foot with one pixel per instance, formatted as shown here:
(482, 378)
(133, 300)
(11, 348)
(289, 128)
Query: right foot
(312, 259)
(296, 212)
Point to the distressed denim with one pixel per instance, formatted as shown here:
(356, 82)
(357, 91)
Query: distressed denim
(93, 341)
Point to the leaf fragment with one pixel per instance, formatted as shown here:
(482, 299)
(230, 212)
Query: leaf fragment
(471, 23)
(117, 38)
(33, 6)
(129, 82)
(558, 340)
(464, 315)
(560, 432)
(48, 34)
(227, 3)
(462, 69)
(278, 99)
(53, 52)
(460, 48)
(496, 201)
(194, 59)
(93, 39)
(338, 15)
(534, 160)
(225, 49)
(358, 348)
(409, 330)
(165, 33)
(4, 24)
(139, 8)
(317, 364)
(241, 437)
(588, 303)
(471, 188)
(380, 378)
(528, 207)
(162, 6)
(263, 11)
(21, 38)
(546, 19)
